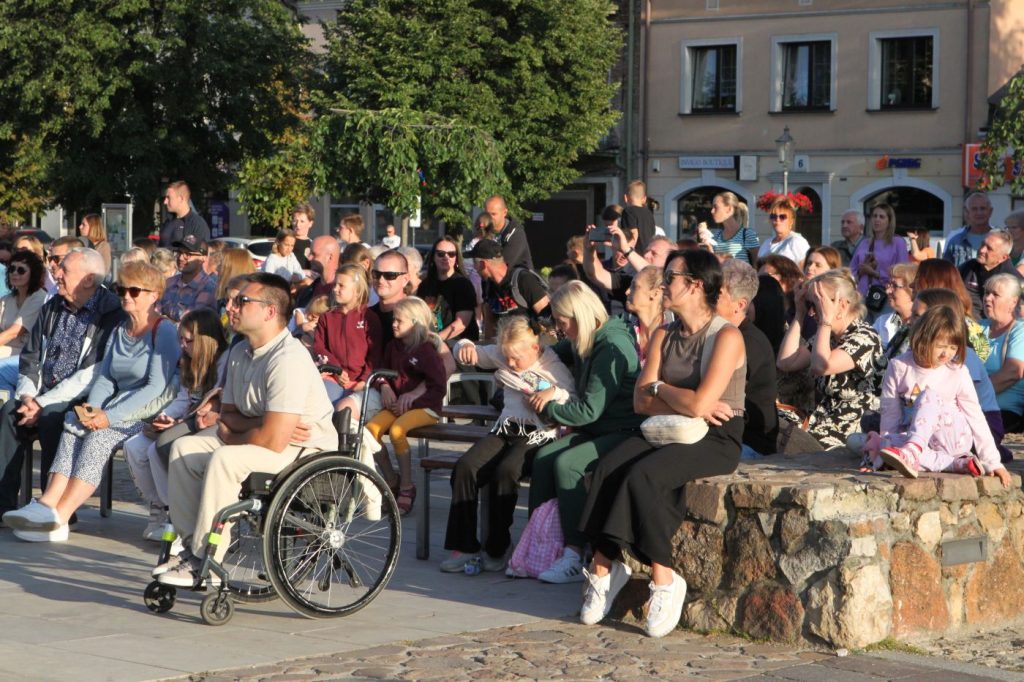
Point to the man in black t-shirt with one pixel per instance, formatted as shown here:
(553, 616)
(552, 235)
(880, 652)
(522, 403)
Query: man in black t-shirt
(510, 234)
(446, 299)
(507, 289)
(185, 222)
(637, 220)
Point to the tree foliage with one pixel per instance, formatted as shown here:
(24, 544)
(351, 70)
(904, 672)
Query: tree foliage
(483, 96)
(1002, 154)
(104, 100)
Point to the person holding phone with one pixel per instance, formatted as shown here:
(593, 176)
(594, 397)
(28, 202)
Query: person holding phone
(196, 407)
(138, 365)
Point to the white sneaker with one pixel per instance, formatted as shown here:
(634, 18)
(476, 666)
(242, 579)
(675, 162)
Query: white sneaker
(665, 607)
(33, 516)
(456, 563)
(601, 592)
(515, 572)
(567, 569)
(157, 520)
(59, 535)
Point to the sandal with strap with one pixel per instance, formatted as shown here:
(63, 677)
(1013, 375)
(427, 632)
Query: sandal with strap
(406, 498)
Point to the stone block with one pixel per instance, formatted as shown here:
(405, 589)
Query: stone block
(807, 496)
(771, 611)
(750, 555)
(919, 605)
(711, 614)
(826, 545)
(991, 520)
(923, 488)
(901, 522)
(928, 530)
(1013, 509)
(851, 606)
(989, 486)
(947, 516)
(1016, 526)
(854, 500)
(705, 501)
(630, 602)
(865, 547)
(754, 495)
(995, 591)
(795, 525)
(767, 522)
(957, 487)
(698, 552)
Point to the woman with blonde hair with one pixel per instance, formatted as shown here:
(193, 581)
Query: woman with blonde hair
(787, 241)
(94, 232)
(233, 262)
(733, 237)
(875, 256)
(133, 255)
(842, 357)
(603, 355)
(645, 303)
(165, 261)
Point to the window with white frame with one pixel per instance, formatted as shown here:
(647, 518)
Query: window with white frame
(904, 70)
(711, 76)
(803, 73)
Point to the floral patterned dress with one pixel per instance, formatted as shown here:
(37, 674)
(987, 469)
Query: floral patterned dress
(844, 398)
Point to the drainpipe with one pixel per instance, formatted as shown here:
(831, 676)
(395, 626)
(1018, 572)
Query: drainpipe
(969, 89)
(630, 86)
(645, 60)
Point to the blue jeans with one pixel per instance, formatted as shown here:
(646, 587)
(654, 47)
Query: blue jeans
(748, 453)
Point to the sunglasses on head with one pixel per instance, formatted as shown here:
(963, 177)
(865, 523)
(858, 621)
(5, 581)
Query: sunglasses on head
(778, 216)
(446, 254)
(19, 270)
(131, 291)
(389, 276)
(670, 276)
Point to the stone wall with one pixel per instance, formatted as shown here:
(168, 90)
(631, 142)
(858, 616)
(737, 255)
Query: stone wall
(805, 547)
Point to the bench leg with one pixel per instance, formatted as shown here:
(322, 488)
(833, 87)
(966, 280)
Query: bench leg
(485, 514)
(423, 515)
(25, 494)
(107, 488)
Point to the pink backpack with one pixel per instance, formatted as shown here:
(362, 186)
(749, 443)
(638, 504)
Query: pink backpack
(541, 543)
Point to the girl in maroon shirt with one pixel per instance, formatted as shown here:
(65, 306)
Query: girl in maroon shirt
(414, 397)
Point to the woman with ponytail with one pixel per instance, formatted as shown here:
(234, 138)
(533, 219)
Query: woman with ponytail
(734, 237)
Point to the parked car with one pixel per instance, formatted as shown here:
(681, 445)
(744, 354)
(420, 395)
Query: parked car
(258, 249)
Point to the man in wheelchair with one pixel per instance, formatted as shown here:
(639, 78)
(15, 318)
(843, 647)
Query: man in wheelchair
(274, 409)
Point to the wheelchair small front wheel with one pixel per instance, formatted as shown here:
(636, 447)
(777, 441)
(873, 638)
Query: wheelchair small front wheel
(331, 537)
(159, 598)
(217, 608)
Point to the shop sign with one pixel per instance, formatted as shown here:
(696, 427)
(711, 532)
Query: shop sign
(707, 162)
(1012, 169)
(897, 162)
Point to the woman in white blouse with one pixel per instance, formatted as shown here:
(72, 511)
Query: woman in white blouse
(20, 308)
(787, 241)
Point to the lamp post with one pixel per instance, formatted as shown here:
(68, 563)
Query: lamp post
(784, 146)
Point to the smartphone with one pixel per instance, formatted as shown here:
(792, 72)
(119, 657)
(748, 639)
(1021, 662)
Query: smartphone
(600, 234)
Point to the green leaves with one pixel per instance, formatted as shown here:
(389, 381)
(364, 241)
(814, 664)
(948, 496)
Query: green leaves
(1003, 150)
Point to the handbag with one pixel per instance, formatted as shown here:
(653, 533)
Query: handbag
(540, 544)
(876, 297)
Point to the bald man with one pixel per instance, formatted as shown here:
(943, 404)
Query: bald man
(324, 259)
(515, 250)
(851, 226)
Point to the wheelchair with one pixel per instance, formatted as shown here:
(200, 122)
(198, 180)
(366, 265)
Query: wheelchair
(323, 534)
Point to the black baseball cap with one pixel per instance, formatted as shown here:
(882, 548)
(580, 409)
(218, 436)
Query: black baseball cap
(485, 249)
(192, 244)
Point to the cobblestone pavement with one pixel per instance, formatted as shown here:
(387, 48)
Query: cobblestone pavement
(995, 648)
(568, 651)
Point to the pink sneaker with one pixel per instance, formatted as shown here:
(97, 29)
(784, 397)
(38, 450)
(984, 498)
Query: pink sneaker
(903, 460)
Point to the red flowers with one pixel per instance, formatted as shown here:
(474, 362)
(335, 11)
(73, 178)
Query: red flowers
(799, 201)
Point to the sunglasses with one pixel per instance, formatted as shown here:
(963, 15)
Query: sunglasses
(19, 270)
(131, 291)
(778, 216)
(670, 276)
(446, 254)
(241, 299)
(54, 259)
(389, 276)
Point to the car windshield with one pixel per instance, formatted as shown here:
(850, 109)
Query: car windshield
(261, 249)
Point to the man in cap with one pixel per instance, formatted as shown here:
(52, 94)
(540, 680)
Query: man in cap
(192, 287)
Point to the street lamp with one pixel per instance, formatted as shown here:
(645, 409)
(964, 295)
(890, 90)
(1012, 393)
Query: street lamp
(784, 146)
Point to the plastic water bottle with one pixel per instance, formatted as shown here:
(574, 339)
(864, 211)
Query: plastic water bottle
(474, 566)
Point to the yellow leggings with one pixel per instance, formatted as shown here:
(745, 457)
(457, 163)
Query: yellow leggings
(399, 427)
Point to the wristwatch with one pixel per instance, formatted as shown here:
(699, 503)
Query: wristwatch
(626, 253)
(652, 388)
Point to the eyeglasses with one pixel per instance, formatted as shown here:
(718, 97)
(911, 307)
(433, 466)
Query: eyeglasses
(54, 259)
(389, 276)
(19, 270)
(446, 254)
(241, 299)
(778, 216)
(670, 276)
(131, 291)
(892, 285)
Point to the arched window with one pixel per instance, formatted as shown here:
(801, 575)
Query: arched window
(809, 225)
(694, 208)
(915, 208)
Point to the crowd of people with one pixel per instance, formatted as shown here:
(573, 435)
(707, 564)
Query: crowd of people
(638, 365)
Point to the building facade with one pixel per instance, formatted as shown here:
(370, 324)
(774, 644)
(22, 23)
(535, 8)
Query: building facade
(882, 98)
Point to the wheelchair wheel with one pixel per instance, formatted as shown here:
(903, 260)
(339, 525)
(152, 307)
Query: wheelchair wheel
(247, 574)
(327, 549)
(217, 608)
(159, 598)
